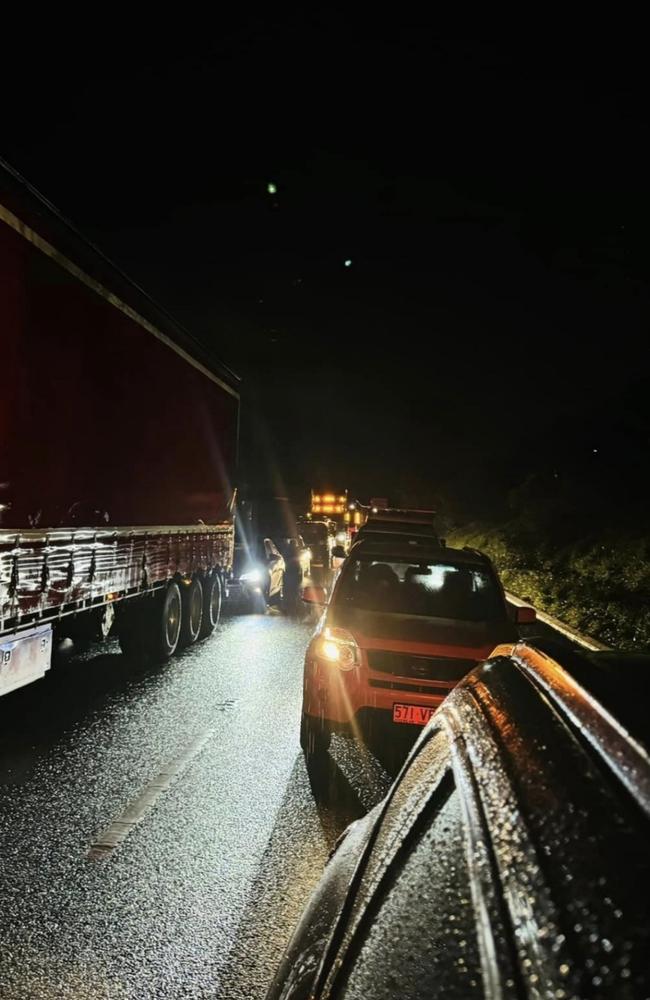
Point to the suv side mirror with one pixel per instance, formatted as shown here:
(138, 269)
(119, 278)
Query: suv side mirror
(525, 615)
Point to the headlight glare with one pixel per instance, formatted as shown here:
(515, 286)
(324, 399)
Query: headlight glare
(339, 646)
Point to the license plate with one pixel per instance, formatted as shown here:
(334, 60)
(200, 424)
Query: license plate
(24, 657)
(414, 715)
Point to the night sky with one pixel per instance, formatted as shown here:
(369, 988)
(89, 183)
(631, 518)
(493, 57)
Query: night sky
(490, 194)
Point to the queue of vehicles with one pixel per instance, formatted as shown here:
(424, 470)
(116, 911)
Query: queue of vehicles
(278, 549)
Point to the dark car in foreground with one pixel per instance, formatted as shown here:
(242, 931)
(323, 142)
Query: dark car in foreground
(510, 858)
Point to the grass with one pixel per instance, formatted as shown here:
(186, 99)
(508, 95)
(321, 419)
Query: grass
(599, 585)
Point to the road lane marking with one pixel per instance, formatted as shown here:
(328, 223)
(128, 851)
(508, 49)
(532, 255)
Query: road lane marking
(120, 828)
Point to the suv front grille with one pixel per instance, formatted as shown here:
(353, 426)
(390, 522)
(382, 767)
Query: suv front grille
(400, 685)
(425, 668)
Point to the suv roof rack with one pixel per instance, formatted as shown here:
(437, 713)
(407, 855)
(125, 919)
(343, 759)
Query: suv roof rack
(475, 552)
(406, 514)
(415, 546)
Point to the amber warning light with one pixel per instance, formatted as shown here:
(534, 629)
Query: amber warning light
(328, 503)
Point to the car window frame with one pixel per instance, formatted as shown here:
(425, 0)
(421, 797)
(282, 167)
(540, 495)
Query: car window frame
(498, 967)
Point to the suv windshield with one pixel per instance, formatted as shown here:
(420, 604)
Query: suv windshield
(430, 589)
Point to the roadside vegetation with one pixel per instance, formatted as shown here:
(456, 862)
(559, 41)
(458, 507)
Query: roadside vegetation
(599, 585)
(567, 522)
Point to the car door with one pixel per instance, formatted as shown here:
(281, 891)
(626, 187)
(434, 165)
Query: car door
(275, 564)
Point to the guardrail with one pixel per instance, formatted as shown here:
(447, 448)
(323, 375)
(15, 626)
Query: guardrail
(554, 623)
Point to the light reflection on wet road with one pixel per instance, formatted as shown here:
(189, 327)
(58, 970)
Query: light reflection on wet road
(200, 897)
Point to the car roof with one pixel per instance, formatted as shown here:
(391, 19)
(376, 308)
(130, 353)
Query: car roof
(618, 679)
(403, 515)
(408, 547)
(397, 531)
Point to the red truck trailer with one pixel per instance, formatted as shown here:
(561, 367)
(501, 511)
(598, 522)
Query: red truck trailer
(118, 446)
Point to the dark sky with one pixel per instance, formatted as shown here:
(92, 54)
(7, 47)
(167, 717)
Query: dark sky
(490, 193)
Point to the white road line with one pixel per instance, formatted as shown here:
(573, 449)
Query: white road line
(120, 828)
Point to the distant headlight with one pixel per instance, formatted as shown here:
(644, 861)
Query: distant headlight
(253, 576)
(341, 538)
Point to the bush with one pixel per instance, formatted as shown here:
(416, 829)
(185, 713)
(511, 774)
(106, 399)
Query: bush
(599, 585)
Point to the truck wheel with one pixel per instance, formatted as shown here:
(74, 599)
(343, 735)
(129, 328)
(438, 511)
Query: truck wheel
(150, 629)
(167, 621)
(211, 605)
(315, 736)
(192, 613)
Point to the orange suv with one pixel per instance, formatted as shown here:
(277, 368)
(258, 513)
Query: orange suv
(408, 618)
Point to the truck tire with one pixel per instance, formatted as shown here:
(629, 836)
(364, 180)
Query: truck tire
(150, 628)
(315, 737)
(192, 613)
(164, 630)
(212, 597)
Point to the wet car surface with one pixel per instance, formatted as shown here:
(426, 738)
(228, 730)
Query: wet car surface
(509, 859)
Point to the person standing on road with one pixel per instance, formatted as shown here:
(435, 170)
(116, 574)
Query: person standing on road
(292, 574)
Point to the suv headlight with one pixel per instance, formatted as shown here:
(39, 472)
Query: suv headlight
(339, 646)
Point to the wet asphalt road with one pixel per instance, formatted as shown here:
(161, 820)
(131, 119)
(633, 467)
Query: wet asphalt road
(201, 896)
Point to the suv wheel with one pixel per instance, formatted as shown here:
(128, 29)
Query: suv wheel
(315, 736)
